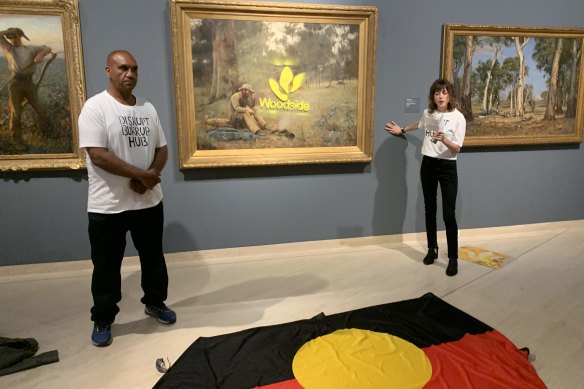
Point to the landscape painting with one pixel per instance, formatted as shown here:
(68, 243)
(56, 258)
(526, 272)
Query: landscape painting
(41, 85)
(516, 85)
(277, 84)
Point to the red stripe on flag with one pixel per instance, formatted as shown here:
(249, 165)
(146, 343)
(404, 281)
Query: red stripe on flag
(290, 384)
(487, 360)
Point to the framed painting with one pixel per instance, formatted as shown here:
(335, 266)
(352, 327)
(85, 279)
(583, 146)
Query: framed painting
(261, 83)
(41, 85)
(516, 85)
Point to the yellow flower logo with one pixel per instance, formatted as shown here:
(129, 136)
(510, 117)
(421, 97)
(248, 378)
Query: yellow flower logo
(288, 82)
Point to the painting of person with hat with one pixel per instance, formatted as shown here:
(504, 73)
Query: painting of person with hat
(243, 112)
(22, 62)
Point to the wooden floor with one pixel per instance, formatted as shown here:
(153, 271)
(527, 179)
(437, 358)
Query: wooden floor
(536, 299)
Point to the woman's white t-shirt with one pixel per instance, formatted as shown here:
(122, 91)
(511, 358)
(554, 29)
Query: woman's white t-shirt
(132, 133)
(452, 124)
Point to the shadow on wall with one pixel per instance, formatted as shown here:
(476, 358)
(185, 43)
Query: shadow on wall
(391, 197)
(390, 201)
(350, 231)
(420, 217)
(27, 176)
(177, 238)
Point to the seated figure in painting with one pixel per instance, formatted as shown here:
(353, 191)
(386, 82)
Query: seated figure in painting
(243, 112)
(245, 120)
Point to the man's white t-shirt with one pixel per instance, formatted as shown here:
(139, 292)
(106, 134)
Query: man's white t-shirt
(132, 133)
(452, 124)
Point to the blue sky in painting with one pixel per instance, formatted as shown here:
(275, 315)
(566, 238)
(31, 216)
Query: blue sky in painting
(535, 77)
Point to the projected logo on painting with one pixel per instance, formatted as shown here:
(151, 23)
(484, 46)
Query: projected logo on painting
(288, 84)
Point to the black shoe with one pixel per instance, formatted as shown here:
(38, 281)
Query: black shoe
(431, 256)
(452, 267)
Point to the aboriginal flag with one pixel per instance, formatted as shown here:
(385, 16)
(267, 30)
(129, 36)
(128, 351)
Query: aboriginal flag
(419, 343)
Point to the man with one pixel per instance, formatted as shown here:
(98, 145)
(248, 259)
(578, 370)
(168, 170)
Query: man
(22, 62)
(243, 112)
(126, 151)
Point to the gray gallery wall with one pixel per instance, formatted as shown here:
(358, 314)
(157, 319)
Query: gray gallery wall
(42, 214)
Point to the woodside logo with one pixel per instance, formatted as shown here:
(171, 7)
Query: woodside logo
(289, 83)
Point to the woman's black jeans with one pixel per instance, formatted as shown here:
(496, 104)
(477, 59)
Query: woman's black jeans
(436, 171)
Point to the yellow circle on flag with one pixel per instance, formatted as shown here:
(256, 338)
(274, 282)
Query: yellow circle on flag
(353, 358)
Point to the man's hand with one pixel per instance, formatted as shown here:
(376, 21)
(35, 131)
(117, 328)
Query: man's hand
(150, 178)
(137, 186)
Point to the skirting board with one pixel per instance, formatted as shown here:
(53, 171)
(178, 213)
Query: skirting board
(228, 255)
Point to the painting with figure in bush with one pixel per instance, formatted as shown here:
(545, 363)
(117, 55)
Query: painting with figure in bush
(35, 114)
(301, 84)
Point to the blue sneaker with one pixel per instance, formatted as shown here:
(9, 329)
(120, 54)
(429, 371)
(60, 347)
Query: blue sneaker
(161, 312)
(101, 335)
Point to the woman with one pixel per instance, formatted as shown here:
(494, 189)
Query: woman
(444, 129)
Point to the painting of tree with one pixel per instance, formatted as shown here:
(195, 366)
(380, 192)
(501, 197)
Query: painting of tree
(229, 53)
(270, 83)
(516, 85)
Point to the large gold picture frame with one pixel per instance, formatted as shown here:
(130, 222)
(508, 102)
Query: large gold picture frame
(311, 69)
(46, 137)
(517, 85)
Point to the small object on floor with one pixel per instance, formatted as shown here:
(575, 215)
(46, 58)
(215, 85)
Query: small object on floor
(162, 366)
(452, 267)
(482, 256)
(431, 256)
(530, 356)
(101, 335)
(162, 313)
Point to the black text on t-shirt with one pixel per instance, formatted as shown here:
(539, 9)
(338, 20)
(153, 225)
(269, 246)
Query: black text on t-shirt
(136, 130)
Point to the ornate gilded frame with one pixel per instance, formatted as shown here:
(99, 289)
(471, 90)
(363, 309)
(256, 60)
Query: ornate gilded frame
(193, 110)
(58, 148)
(510, 107)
